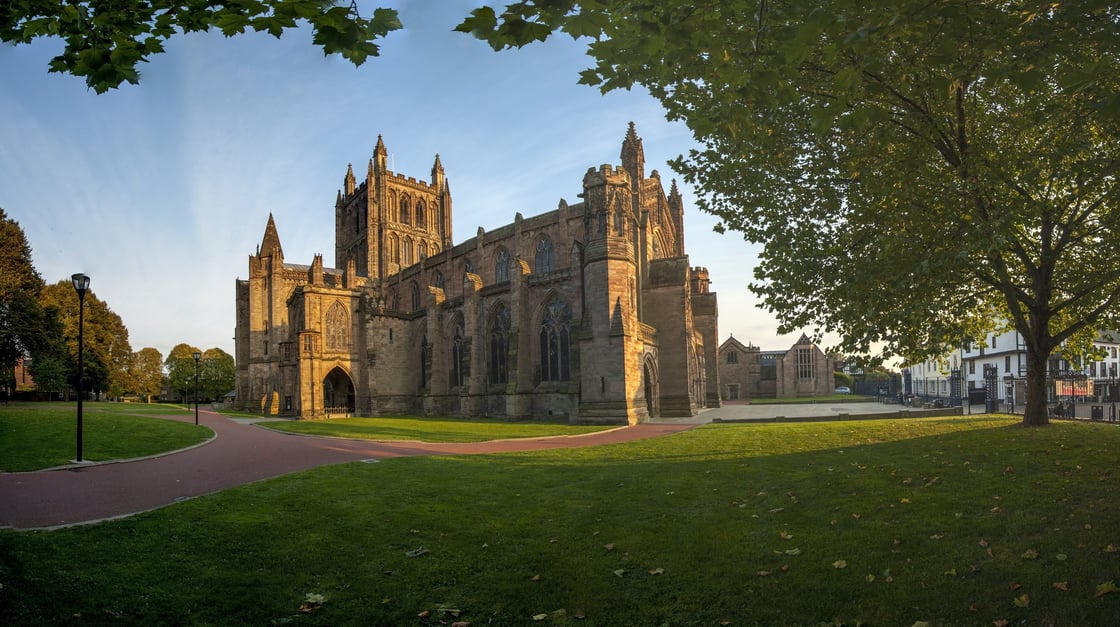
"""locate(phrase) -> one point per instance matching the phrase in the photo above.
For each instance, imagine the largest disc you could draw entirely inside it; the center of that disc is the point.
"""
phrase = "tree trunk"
(1035, 413)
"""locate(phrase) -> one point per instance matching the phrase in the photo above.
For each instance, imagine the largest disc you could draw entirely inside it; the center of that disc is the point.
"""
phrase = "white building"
(1088, 380)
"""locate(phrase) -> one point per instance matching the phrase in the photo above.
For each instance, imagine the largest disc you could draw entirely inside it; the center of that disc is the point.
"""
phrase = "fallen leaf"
(609, 547)
(461, 623)
(1000, 623)
(553, 540)
(1105, 588)
(869, 578)
(416, 552)
(620, 572)
(1061, 585)
(657, 571)
(763, 573)
(785, 535)
(952, 572)
(424, 614)
(839, 564)
(784, 568)
(904, 500)
(1030, 554)
(539, 617)
(535, 578)
(1112, 548)
(856, 515)
(1023, 600)
(793, 551)
(1061, 557)
(1014, 586)
(984, 543)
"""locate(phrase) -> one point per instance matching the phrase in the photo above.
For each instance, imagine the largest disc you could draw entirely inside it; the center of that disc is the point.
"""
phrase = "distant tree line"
(39, 323)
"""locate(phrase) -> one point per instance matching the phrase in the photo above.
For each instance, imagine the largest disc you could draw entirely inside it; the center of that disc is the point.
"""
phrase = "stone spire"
(633, 157)
(348, 183)
(270, 244)
(380, 155)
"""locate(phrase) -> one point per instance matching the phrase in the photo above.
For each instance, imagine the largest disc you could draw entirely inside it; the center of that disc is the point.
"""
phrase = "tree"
(105, 41)
(917, 172)
(181, 370)
(147, 372)
(217, 374)
(21, 317)
(108, 354)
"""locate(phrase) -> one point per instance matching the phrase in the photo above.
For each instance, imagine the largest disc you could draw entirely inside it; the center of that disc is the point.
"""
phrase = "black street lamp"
(197, 356)
(81, 284)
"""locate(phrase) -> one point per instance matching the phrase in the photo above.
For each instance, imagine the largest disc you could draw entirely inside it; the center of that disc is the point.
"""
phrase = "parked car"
(843, 390)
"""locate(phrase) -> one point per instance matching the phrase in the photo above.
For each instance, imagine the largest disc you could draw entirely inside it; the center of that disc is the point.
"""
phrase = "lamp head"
(197, 355)
(81, 284)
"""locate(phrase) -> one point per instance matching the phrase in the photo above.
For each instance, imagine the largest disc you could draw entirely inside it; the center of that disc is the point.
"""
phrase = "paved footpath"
(239, 454)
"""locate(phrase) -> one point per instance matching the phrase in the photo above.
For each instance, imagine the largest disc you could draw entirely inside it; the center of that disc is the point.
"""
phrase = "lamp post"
(81, 284)
(197, 355)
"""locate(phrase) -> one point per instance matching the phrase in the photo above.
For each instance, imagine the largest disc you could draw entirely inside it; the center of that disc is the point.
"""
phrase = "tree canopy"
(107, 355)
(21, 317)
(146, 372)
(918, 173)
(106, 41)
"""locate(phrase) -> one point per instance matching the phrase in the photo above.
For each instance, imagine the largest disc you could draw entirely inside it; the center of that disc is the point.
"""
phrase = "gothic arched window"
(338, 328)
(498, 343)
(394, 299)
(458, 354)
(407, 250)
(501, 266)
(415, 296)
(421, 216)
(437, 279)
(555, 338)
(545, 260)
(405, 210)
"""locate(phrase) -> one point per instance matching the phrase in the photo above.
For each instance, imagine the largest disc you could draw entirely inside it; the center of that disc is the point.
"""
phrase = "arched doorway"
(338, 393)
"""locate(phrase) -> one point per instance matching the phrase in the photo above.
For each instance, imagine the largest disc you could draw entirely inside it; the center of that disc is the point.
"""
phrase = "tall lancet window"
(555, 342)
(338, 328)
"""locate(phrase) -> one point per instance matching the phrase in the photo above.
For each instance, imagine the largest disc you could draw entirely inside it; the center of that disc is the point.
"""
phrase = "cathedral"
(589, 312)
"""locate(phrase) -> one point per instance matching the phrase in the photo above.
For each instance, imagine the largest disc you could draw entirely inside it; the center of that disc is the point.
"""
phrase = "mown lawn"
(429, 429)
(43, 435)
(950, 521)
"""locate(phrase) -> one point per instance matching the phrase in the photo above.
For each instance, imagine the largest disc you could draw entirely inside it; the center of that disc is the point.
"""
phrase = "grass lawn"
(42, 435)
(429, 429)
(952, 521)
(827, 398)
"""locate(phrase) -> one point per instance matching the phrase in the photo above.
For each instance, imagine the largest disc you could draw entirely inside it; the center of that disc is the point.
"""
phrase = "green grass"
(949, 520)
(429, 429)
(42, 435)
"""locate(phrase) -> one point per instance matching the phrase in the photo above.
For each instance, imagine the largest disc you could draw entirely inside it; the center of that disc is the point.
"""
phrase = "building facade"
(746, 371)
(590, 312)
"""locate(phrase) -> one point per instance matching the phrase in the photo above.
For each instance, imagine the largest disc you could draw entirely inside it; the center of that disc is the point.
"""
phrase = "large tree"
(917, 171)
(181, 370)
(105, 41)
(217, 374)
(21, 317)
(107, 353)
(147, 372)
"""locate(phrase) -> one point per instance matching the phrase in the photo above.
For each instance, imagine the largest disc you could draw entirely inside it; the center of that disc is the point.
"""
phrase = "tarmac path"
(238, 454)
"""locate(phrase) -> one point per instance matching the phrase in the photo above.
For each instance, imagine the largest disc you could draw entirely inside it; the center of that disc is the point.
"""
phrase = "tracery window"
(732, 357)
(415, 296)
(498, 336)
(555, 339)
(804, 363)
(437, 279)
(545, 260)
(458, 354)
(421, 218)
(394, 299)
(407, 251)
(501, 266)
(338, 328)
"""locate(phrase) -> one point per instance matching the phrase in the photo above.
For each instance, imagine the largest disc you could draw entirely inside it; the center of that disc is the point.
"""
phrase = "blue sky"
(160, 192)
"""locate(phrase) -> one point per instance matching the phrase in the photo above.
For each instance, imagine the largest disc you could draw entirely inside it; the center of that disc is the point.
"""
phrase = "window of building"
(407, 257)
(498, 344)
(501, 266)
(554, 339)
(338, 328)
(1007, 363)
(545, 260)
(972, 367)
(993, 341)
(458, 354)
(804, 363)
(421, 219)
(415, 296)
(437, 279)
(732, 357)
(406, 213)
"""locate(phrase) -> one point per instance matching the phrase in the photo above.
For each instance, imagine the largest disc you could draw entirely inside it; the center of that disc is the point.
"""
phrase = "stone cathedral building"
(590, 311)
